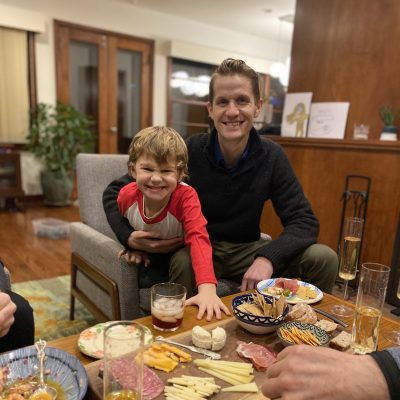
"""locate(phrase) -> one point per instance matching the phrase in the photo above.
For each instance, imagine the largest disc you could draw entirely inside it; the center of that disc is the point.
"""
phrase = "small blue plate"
(64, 368)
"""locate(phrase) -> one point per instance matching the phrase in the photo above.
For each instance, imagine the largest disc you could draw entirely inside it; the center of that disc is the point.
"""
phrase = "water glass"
(371, 296)
(167, 305)
(123, 361)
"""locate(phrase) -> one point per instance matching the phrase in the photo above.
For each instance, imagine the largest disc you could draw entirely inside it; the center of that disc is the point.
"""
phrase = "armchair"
(106, 286)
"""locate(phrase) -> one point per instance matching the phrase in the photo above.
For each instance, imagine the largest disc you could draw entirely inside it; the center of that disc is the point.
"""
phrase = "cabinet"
(10, 175)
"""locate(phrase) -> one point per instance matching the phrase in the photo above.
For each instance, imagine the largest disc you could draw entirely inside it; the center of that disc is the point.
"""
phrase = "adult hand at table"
(260, 269)
(151, 242)
(7, 310)
(306, 372)
(208, 302)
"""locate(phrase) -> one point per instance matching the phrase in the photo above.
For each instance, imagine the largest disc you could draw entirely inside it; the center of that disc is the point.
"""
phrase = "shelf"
(343, 144)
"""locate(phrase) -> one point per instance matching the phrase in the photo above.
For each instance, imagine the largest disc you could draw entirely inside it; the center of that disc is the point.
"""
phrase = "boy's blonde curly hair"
(162, 143)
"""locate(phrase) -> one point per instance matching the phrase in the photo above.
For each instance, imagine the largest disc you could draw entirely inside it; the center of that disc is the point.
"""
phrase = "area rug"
(50, 299)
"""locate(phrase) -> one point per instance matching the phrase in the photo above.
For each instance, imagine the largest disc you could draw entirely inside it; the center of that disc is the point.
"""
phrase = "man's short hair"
(231, 66)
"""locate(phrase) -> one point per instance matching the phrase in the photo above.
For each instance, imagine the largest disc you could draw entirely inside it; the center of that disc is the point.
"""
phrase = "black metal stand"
(355, 203)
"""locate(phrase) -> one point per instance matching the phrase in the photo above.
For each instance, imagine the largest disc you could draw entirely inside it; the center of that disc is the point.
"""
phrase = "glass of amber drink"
(371, 295)
(348, 259)
(167, 305)
(123, 361)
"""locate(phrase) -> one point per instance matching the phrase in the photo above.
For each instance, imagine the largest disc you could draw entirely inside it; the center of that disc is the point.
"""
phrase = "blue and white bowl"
(319, 333)
(255, 323)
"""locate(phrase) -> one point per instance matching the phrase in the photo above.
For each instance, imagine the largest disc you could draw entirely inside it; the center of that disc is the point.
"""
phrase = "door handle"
(113, 129)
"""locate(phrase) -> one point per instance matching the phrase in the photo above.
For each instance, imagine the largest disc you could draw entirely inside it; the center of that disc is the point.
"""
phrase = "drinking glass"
(394, 336)
(348, 259)
(123, 361)
(371, 296)
(167, 305)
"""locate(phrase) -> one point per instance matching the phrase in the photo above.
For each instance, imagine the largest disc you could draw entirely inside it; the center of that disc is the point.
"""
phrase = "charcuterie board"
(228, 353)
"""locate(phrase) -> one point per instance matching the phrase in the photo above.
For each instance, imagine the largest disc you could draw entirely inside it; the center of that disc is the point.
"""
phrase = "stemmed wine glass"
(349, 253)
(394, 336)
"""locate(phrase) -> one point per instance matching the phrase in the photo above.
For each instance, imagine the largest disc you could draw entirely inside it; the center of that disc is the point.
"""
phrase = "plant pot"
(57, 188)
(389, 133)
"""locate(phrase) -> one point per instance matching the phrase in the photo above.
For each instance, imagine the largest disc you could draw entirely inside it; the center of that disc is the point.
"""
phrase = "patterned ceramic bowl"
(256, 323)
(322, 337)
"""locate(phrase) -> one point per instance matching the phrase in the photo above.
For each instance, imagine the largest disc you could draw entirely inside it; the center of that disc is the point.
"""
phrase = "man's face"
(233, 108)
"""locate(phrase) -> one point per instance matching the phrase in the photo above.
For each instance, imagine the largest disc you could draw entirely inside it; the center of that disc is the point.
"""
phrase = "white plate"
(292, 299)
(91, 340)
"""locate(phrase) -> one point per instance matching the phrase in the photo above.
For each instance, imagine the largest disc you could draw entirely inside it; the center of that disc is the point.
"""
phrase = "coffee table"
(70, 343)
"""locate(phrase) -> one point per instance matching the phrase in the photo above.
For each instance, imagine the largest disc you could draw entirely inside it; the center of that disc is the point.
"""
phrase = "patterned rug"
(49, 299)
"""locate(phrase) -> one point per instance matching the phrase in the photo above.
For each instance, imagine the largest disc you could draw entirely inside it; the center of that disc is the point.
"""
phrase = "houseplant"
(57, 134)
(388, 116)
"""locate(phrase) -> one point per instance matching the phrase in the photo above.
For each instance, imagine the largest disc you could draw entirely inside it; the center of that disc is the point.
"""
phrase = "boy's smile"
(156, 182)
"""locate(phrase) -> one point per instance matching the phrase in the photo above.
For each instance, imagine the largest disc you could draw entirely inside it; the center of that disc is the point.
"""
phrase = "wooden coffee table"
(70, 343)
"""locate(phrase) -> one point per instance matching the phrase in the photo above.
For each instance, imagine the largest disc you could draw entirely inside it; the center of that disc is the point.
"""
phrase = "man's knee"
(325, 265)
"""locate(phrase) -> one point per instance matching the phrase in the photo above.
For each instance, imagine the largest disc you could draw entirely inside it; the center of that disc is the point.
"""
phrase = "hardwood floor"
(30, 257)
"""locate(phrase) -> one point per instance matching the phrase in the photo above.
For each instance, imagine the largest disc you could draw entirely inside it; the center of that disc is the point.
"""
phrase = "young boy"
(159, 201)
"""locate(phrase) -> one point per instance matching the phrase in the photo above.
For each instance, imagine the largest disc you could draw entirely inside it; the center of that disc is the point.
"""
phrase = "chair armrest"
(102, 252)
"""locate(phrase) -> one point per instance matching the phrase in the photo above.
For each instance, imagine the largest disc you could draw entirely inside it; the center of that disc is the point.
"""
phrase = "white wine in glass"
(394, 336)
(348, 260)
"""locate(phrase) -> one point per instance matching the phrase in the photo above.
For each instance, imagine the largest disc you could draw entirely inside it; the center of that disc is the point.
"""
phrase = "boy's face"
(233, 108)
(155, 181)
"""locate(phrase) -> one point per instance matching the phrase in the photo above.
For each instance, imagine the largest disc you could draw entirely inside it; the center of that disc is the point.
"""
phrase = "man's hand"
(151, 242)
(260, 269)
(307, 372)
(7, 310)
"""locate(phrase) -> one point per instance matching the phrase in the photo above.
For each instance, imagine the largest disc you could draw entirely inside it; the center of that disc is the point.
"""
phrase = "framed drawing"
(296, 112)
(328, 120)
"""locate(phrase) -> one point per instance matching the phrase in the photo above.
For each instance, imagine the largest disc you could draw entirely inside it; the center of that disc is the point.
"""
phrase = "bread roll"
(302, 312)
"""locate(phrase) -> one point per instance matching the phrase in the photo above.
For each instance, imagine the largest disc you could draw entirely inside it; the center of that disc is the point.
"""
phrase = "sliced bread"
(341, 342)
(327, 326)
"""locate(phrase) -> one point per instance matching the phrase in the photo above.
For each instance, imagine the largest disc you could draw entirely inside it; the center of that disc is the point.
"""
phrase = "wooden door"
(107, 76)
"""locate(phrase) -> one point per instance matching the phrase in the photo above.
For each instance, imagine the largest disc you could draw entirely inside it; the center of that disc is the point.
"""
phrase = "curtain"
(14, 86)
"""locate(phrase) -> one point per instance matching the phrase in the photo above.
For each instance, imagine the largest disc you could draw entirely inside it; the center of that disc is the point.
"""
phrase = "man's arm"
(300, 225)
(118, 223)
(389, 363)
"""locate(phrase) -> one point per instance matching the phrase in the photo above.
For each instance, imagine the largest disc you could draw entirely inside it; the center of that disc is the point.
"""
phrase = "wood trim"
(32, 70)
(99, 31)
(101, 280)
(345, 144)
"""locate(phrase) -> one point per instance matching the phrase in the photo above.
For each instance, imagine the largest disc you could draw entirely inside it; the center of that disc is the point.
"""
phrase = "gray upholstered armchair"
(107, 286)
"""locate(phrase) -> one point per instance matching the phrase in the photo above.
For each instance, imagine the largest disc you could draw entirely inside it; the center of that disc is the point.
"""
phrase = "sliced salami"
(153, 386)
(261, 356)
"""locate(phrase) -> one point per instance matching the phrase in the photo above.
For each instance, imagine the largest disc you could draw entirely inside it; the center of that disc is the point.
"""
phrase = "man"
(307, 372)
(234, 172)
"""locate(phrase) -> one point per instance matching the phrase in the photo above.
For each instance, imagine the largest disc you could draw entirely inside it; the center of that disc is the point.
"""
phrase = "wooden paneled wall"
(347, 50)
(322, 168)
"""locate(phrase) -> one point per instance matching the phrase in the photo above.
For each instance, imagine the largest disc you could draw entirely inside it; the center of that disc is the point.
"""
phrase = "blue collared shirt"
(220, 157)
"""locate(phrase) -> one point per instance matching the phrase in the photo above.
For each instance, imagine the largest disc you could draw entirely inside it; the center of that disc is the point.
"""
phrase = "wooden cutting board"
(228, 353)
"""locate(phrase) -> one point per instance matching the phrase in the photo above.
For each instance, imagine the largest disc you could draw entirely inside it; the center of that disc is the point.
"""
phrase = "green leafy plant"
(388, 115)
(58, 133)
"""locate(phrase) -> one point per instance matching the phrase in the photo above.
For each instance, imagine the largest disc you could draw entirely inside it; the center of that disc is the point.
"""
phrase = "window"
(17, 88)
(188, 96)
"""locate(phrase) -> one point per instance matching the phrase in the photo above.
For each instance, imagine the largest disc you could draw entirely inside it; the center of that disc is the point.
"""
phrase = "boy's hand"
(135, 257)
(208, 301)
